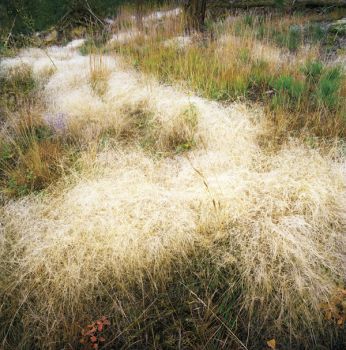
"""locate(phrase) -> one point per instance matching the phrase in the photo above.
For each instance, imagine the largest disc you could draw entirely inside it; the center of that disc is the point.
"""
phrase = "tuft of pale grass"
(268, 228)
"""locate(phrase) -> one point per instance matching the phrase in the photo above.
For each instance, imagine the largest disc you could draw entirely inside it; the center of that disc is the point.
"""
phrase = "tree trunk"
(195, 11)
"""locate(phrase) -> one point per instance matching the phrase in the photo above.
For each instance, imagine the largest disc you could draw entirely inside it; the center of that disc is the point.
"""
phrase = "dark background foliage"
(27, 16)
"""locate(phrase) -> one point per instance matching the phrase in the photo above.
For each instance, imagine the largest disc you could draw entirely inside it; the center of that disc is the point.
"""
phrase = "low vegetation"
(263, 59)
(32, 155)
(169, 191)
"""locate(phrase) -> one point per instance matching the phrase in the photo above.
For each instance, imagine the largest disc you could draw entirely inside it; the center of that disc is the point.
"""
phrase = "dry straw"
(273, 224)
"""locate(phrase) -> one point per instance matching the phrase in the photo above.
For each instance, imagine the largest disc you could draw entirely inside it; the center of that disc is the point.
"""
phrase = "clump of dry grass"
(31, 156)
(99, 74)
(180, 133)
(96, 239)
(18, 88)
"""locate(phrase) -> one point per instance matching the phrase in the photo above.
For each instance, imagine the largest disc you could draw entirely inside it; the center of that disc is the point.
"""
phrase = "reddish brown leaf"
(102, 339)
(100, 327)
(93, 339)
(92, 331)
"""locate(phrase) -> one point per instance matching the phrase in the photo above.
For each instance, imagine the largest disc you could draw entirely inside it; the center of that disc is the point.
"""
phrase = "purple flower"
(57, 121)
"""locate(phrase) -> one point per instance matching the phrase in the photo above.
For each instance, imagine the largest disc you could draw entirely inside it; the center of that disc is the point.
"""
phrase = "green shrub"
(280, 3)
(40, 15)
(261, 31)
(278, 37)
(287, 84)
(291, 39)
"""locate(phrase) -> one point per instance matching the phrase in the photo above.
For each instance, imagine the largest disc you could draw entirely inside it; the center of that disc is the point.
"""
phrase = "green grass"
(288, 92)
(329, 87)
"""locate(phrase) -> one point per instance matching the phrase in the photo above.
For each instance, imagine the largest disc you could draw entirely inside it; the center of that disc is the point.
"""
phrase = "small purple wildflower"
(57, 122)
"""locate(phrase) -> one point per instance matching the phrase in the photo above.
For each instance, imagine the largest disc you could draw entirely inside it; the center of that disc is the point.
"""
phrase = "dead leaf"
(272, 344)
(329, 315)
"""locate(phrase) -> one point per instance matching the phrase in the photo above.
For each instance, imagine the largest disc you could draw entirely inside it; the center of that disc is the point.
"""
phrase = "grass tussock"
(31, 157)
(99, 75)
(18, 88)
(257, 242)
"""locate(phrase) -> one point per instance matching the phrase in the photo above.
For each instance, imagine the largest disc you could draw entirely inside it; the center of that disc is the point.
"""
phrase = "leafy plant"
(93, 335)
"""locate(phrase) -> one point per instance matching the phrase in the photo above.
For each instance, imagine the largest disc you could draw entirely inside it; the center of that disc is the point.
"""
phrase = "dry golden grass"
(204, 240)
(99, 74)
